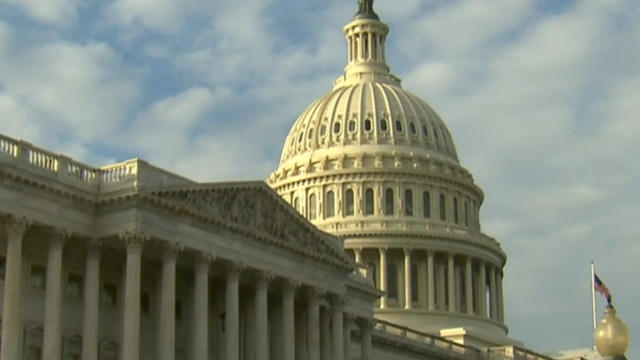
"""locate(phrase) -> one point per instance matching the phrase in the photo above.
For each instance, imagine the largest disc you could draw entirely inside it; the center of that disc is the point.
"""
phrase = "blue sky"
(542, 98)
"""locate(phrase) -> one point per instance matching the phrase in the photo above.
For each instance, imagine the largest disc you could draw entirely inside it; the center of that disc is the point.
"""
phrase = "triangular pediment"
(255, 210)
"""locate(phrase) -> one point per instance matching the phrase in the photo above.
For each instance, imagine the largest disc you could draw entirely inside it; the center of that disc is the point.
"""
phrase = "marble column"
(492, 293)
(288, 320)
(500, 296)
(383, 277)
(431, 280)
(358, 256)
(468, 286)
(366, 327)
(167, 321)
(451, 282)
(482, 289)
(11, 307)
(337, 327)
(348, 325)
(91, 315)
(232, 312)
(407, 279)
(52, 341)
(313, 324)
(261, 315)
(442, 289)
(131, 309)
(201, 307)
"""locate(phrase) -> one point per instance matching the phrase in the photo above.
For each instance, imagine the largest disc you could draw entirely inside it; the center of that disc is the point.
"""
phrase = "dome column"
(431, 279)
(383, 277)
(407, 279)
(500, 299)
(468, 286)
(492, 291)
(451, 281)
(482, 290)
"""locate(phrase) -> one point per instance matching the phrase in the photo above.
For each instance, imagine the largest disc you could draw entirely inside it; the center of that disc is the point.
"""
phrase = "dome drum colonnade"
(374, 164)
(261, 314)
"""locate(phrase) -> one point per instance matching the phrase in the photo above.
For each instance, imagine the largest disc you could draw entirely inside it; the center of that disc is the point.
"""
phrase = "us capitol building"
(365, 243)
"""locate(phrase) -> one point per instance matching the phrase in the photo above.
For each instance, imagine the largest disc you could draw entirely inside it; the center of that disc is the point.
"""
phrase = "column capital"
(17, 225)
(314, 293)
(407, 250)
(202, 258)
(234, 268)
(133, 239)
(263, 275)
(337, 300)
(93, 244)
(171, 249)
(382, 250)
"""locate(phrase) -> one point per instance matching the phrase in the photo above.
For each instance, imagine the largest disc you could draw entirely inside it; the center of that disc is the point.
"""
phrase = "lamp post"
(611, 336)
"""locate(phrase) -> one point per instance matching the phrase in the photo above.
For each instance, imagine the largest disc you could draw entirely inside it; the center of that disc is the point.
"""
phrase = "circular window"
(412, 127)
(352, 125)
(336, 128)
(383, 125)
(398, 126)
(367, 125)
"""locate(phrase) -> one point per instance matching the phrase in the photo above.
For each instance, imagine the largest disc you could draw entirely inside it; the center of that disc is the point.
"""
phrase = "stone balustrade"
(30, 158)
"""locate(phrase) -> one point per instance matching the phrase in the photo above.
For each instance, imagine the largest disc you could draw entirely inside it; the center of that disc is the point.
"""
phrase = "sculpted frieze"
(255, 211)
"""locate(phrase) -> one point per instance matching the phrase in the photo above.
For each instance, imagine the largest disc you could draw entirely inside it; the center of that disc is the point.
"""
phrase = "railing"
(363, 275)
(26, 156)
(514, 352)
(428, 339)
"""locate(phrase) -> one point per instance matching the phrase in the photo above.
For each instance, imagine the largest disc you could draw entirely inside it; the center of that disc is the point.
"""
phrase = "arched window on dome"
(426, 204)
(368, 201)
(456, 217)
(352, 125)
(312, 207)
(398, 126)
(330, 205)
(412, 128)
(466, 213)
(296, 203)
(348, 203)
(336, 128)
(388, 202)
(367, 125)
(443, 208)
(425, 131)
(383, 125)
(392, 280)
(408, 202)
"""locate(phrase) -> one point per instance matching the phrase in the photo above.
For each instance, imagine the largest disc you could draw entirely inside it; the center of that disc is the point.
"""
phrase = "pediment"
(255, 210)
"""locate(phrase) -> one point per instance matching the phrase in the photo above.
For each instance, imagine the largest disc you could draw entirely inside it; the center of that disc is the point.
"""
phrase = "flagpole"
(593, 296)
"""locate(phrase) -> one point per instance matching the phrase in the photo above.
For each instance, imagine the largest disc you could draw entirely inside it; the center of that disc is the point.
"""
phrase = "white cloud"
(56, 12)
(80, 92)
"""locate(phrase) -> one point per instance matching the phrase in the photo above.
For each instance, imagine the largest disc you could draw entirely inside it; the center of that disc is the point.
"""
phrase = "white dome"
(369, 112)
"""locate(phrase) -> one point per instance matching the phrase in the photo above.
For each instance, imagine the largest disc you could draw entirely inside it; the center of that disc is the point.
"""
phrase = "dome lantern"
(611, 337)
(366, 36)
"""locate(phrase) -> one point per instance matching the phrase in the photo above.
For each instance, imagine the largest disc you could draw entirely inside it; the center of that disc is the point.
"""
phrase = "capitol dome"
(375, 165)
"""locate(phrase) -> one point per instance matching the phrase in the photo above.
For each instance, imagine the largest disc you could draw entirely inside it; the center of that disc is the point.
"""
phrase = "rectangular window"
(109, 294)
(443, 208)
(37, 276)
(74, 286)
(426, 204)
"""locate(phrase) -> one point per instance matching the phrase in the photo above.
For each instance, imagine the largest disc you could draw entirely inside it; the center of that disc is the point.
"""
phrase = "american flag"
(600, 287)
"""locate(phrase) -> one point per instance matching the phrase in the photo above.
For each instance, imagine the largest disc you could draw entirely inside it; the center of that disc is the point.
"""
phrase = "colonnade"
(290, 321)
(453, 282)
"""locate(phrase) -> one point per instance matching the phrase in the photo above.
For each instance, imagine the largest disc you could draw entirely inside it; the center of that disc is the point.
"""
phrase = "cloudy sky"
(542, 98)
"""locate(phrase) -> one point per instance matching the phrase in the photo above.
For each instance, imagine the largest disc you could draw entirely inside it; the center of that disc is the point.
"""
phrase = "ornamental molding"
(255, 210)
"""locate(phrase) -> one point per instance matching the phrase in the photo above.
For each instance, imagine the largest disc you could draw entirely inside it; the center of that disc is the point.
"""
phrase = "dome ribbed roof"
(369, 113)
